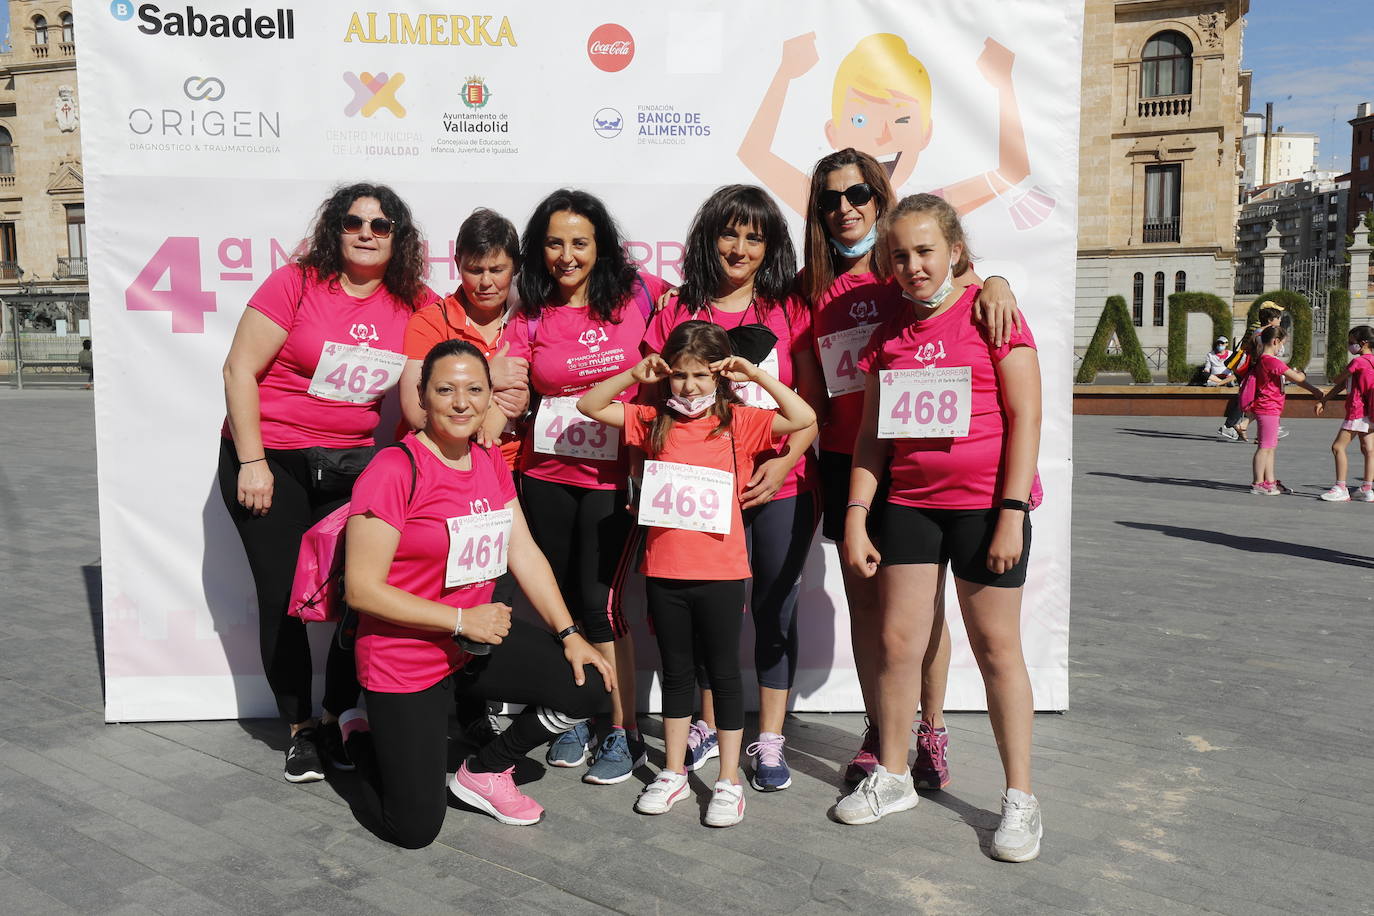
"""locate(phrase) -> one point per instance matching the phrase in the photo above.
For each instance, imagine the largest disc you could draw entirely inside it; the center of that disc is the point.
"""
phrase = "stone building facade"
(42, 194)
(1159, 157)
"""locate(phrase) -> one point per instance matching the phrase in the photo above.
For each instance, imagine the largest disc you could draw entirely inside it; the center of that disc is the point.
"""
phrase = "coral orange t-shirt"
(675, 553)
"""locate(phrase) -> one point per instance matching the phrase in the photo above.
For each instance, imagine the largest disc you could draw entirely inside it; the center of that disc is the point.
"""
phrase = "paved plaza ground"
(1217, 756)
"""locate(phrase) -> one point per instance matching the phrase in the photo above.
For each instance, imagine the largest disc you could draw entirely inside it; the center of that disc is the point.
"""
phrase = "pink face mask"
(691, 407)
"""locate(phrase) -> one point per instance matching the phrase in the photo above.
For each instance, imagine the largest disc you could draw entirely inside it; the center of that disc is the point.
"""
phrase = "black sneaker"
(482, 731)
(332, 747)
(303, 758)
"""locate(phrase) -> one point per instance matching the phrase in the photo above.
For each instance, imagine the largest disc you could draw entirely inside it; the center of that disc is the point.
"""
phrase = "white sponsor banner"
(213, 130)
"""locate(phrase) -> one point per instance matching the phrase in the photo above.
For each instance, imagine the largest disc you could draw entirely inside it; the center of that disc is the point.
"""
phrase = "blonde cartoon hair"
(879, 66)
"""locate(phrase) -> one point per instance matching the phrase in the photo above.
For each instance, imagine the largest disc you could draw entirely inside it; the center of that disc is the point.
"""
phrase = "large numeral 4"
(179, 258)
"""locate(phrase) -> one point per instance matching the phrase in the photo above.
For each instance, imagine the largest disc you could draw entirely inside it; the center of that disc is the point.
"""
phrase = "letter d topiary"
(1115, 320)
(1181, 305)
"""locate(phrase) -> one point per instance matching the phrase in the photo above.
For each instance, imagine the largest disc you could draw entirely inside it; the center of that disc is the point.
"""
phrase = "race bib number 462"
(358, 375)
(477, 547)
(925, 403)
(560, 429)
(686, 496)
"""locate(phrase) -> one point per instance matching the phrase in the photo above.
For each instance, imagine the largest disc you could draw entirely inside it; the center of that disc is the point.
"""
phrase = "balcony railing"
(9, 270)
(70, 269)
(1164, 107)
(1161, 229)
(6, 181)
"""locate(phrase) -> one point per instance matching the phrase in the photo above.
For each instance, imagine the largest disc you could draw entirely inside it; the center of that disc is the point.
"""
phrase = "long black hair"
(742, 205)
(405, 272)
(612, 276)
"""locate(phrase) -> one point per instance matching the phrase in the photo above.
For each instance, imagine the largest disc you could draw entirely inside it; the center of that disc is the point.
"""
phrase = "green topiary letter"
(1181, 305)
(1300, 337)
(1116, 321)
(1337, 331)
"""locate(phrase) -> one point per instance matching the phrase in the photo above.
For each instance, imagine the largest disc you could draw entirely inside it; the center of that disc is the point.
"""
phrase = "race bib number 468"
(686, 496)
(925, 403)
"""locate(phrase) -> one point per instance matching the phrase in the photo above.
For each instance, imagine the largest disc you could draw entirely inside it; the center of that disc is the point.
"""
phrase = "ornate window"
(1138, 300)
(1166, 66)
(6, 152)
(40, 30)
(1163, 185)
(1181, 282)
(68, 31)
(1159, 299)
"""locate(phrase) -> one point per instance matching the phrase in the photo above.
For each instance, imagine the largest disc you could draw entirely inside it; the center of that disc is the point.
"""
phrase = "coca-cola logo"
(611, 47)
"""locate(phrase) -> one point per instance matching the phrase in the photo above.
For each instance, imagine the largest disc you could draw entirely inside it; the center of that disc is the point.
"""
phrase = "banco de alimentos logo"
(374, 91)
(188, 22)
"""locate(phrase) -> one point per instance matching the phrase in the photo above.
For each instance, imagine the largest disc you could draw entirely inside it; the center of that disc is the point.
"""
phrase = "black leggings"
(693, 617)
(1233, 411)
(272, 543)
(404, 759)
(583, 533)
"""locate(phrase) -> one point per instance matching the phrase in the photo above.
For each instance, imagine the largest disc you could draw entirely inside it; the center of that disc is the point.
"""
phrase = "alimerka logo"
(427, 29)
(188, 22)
(373, 92)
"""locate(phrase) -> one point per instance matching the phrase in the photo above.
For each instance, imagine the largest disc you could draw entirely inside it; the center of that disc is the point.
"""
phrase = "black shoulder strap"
(414, 468)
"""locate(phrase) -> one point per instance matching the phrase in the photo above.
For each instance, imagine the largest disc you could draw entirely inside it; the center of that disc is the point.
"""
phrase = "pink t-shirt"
(1269, 381)
(792, 324)
(852, 301)
(291, 416)
(572, 351)
(398, 659)
(1361, 385)
(962, 473)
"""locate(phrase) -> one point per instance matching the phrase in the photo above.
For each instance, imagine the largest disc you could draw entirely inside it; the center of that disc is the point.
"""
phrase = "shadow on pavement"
(1257, 545)
(1177, 481)
(96, 605)
(1164, 434)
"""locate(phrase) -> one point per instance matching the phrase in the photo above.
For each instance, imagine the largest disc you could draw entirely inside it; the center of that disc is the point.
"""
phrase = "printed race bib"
(752, 393)
(925, 403)
(686, 496)
(358, 375)
(840, 359)
(559, 429)
(477, 546)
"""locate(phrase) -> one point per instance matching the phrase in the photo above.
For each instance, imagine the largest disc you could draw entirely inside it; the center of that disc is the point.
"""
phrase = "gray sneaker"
(880, 793)
(1018, 836)
(1228, 432)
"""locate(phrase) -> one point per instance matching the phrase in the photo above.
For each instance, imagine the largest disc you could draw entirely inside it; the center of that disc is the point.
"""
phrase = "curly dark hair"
(405, 273)
(737, 205)
(612, 276)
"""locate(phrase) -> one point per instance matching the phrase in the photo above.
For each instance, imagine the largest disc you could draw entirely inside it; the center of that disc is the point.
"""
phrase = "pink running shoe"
(861, 767)
(930, 771)
(496, 794)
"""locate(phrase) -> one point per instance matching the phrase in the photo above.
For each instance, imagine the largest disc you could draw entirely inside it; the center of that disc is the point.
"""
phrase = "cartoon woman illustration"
(881, 105)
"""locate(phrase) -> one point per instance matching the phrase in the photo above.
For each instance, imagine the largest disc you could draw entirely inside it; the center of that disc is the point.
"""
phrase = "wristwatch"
(564, 634)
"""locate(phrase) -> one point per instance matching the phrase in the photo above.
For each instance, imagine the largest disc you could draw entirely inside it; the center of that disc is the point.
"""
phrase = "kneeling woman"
(428, 535)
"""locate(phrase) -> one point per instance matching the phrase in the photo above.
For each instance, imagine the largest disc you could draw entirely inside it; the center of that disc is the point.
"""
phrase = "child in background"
(1360, 374)
(1267, 377)
(697, 435)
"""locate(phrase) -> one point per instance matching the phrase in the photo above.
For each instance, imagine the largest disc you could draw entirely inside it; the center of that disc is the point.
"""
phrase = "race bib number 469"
(686, 496)
(925, 403)
(560, 429)
(477, 547)
(358, 375)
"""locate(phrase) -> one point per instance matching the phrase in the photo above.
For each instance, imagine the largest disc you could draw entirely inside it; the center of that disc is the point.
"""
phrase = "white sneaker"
(879, 794)
(661, 794)
(727, 805)
(1283, 433)
(1366, 494)
(1018, 836)
(1228, 432)
(1337, 494)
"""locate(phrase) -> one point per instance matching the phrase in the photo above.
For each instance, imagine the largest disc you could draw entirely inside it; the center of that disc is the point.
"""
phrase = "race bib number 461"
(477, 547)
(560, 429)
(686, 496)
(358, 375)
(925, 403)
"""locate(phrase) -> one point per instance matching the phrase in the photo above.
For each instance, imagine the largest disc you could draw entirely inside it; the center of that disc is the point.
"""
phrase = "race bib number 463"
(686, 496)
(477, 547)
(925, 403)
(560, 429)
(358, 375)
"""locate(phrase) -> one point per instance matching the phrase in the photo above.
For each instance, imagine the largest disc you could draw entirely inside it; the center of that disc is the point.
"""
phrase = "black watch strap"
(564, 634)
(1022, 505)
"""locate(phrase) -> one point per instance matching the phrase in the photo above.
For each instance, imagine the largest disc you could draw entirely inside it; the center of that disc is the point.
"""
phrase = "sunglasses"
(856, 194)
(381, 227)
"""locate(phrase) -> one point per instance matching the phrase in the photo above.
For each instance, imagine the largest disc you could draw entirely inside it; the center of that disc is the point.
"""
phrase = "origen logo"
(607, 123)
(203, 88)
(611, 47)
(374, 92)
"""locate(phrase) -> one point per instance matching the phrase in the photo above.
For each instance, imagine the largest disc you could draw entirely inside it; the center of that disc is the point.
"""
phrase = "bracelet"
(242, 463)
(859, 503)
(1018, 504)
(458, 626)
(564, 634)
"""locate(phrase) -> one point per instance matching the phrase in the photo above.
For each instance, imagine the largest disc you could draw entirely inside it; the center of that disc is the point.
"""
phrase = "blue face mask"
(941, 294)
(860, 248)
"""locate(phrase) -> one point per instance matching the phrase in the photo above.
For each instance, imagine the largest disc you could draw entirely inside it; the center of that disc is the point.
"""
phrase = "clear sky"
(1313, 61)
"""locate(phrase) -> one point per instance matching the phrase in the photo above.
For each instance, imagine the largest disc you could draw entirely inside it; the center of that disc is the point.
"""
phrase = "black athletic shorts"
(835, 468)
(958, 536)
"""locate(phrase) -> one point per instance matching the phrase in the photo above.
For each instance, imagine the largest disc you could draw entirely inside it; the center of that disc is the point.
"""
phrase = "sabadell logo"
(188, 22)
(611, 47)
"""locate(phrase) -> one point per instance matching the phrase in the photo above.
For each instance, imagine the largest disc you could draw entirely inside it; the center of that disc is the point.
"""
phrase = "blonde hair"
(879, 66)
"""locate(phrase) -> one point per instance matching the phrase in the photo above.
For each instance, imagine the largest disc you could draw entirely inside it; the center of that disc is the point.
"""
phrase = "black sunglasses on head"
(857, 195)
(381, 226)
